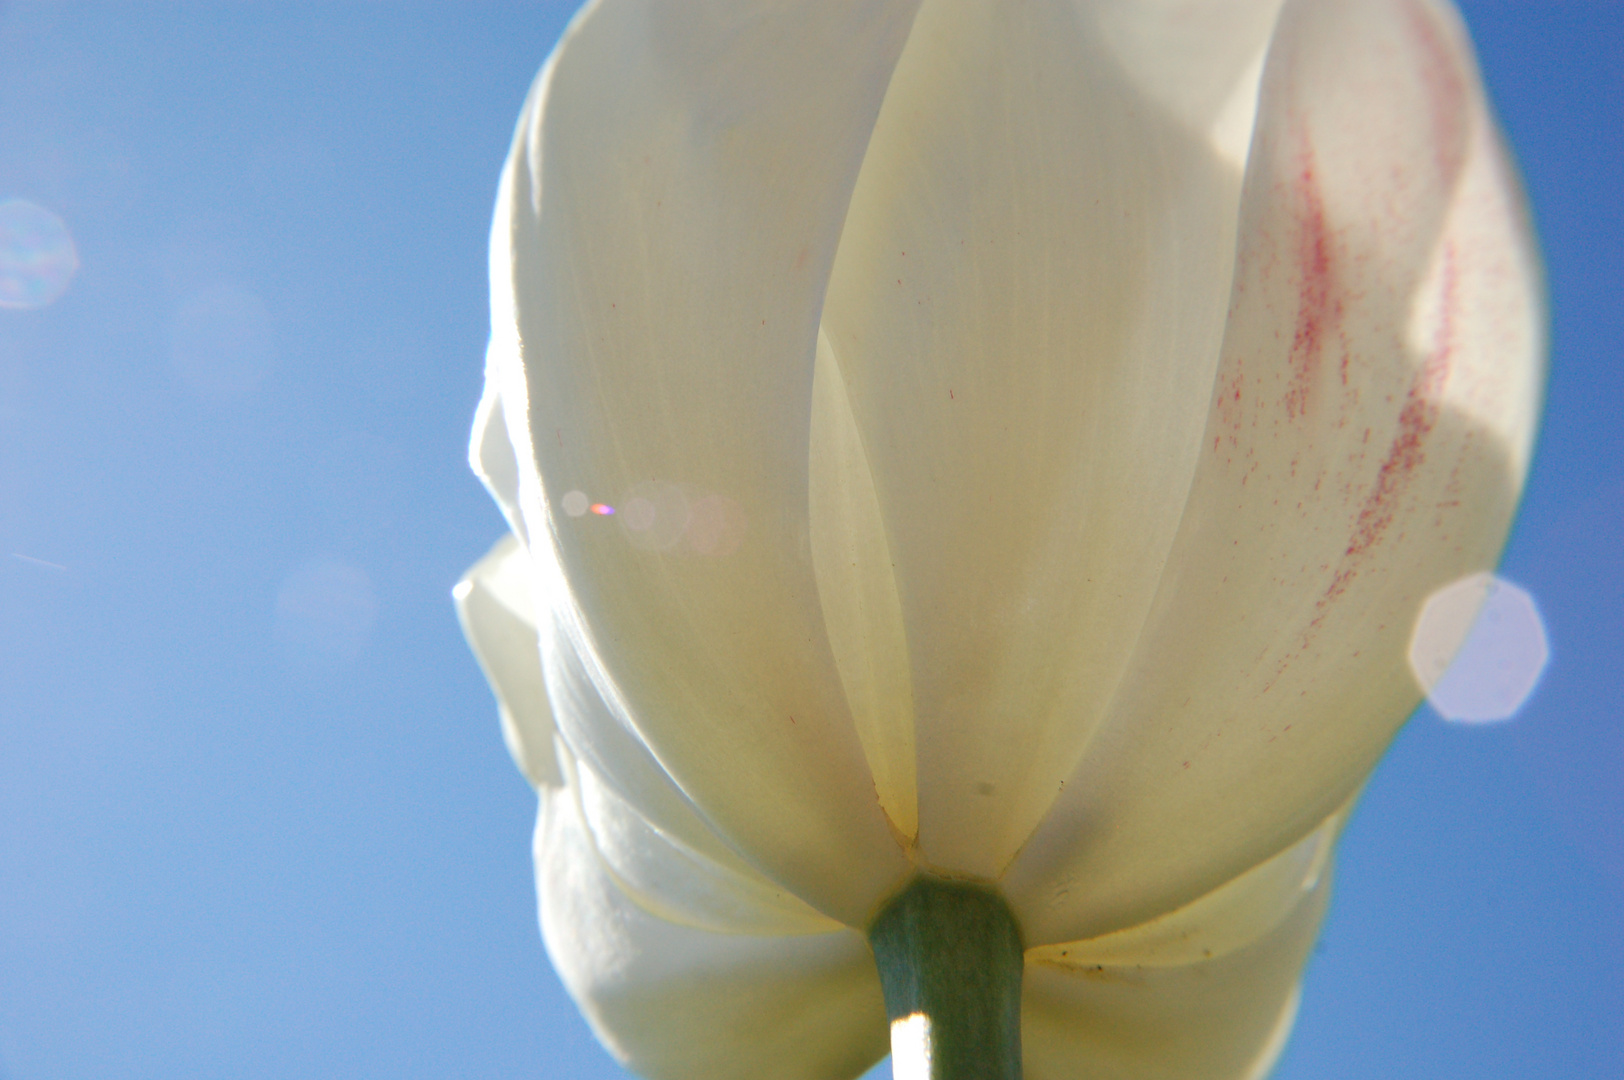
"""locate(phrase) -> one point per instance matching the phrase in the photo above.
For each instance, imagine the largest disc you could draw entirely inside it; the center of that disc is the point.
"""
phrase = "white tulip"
(1031, 430)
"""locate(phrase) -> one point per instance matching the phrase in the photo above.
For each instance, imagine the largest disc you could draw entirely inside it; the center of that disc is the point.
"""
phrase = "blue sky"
(256, 819)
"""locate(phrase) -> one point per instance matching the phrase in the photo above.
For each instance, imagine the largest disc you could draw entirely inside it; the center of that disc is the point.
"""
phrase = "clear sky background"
(256, 819)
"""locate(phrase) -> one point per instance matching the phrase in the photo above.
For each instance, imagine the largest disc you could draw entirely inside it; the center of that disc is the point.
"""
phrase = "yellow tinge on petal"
(857, 584)
(1231, 917)
(1027, 372)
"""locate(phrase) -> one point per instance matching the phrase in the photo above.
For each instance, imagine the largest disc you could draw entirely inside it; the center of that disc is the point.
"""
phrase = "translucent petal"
(1225, 1018)
(673, 1002)
(857, 587)
(1198, 59)
(664, 233)
(1026, 310)
(491, 454)
(604, 740)
(596, 735)
(540, 682)
(1228, 919)
(1369, 432)
(679, 883)
(496, 605)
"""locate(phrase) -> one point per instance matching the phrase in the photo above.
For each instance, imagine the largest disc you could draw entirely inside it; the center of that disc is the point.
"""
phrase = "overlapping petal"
(496, 605)
(1208, 990)
(664, 235)
(1369, 431)
(676, 1002)
(1197, 59)
(650, 918)
(491, 450)
(862, 614)
(686, 970)
(1026, 311)
(681, 883)
(545, 695)
(1226, 1018)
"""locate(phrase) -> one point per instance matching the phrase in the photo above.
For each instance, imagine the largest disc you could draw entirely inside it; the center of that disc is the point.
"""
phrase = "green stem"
(950, 961)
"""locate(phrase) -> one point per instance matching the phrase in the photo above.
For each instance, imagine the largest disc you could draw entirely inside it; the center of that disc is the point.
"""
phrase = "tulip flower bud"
(973, 470)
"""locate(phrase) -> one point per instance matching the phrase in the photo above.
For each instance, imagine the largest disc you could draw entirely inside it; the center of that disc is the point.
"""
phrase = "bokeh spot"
(680, 518)
(1479, 648)
(324, 613)
(37, 255)
(221, 342)
(655, 515)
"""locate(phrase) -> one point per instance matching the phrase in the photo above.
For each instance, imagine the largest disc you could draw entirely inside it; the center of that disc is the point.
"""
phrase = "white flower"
(1033, 429)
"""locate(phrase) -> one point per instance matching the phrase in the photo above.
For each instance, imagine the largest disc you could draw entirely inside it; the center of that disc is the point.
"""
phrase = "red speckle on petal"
(1407, 452)
(1415, 422)
(1230, 410)
(1319, 307)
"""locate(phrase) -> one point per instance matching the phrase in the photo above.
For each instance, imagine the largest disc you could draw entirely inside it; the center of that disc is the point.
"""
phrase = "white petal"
(1228, 919)
(677, 1003)
(664, 233)
(1026, 309)
(678, 882)
(603, 739)
(1368, 439)
(491, 455)
(1198, 59)
(857, 587)
(1225, 1018)
(496, 605)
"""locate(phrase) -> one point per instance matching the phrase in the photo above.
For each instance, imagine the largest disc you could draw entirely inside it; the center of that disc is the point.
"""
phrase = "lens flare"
(37, 255)
(1478, 649)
